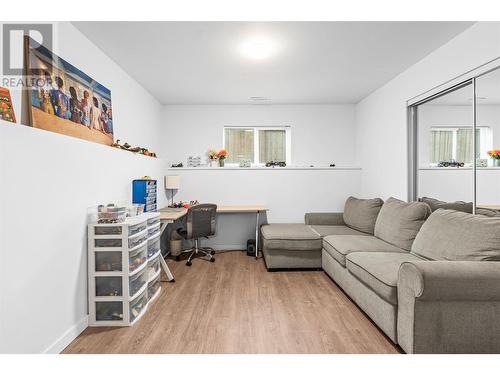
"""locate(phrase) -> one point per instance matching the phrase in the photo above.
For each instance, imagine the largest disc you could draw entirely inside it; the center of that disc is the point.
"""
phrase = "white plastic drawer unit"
(153, 246)
(153, 287)
(137, 306)
(137, 258)
(108, 261)
(108, 286)
(109, 311)
(137, 283)
(153, 268)
(153, 230)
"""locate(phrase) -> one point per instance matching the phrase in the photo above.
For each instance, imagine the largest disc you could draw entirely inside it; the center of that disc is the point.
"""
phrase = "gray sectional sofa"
(429, 280)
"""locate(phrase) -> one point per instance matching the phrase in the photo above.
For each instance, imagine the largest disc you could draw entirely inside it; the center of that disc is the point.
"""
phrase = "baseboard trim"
(228, 247)
(68, 336)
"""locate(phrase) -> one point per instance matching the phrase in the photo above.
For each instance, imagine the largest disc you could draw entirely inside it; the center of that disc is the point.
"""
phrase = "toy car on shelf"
(450, 163)
(275, 164)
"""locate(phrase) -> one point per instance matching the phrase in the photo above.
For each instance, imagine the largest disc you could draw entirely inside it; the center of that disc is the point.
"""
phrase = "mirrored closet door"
(488, 133)
(453, 137)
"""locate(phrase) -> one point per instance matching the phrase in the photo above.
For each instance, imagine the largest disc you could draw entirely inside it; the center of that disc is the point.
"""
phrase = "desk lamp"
(172, 183)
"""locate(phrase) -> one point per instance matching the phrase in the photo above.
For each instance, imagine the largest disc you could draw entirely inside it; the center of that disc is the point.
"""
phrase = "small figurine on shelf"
(136, 150)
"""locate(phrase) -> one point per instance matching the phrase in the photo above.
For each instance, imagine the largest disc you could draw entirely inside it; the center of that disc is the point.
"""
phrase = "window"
(456, 143)
(258, 145)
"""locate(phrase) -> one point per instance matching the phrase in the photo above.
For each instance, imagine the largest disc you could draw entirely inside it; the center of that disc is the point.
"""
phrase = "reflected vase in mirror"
(495, 157)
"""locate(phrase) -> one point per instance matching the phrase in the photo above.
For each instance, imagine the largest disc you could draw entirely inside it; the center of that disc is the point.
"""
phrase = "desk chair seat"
(201, 221)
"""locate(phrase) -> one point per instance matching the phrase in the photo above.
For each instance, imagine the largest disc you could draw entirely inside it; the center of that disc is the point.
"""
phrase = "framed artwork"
(65, 100)
(6, 108)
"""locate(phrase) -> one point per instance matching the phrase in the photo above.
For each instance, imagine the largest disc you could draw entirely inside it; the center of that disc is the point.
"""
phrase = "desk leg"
(257, 236)
(164, 265)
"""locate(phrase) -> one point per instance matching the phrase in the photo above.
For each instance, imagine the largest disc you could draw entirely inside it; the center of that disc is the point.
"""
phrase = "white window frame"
(256, 153)
(485, 138)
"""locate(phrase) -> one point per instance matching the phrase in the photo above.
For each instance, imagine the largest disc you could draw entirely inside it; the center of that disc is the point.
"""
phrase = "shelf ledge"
(305, 168)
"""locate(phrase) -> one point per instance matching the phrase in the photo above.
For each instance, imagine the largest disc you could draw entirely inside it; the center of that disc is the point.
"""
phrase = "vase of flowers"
(213, 158)
(222, 155)
(495, 156)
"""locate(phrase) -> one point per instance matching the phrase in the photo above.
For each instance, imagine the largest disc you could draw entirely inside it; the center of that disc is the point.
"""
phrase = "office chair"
(200, 222)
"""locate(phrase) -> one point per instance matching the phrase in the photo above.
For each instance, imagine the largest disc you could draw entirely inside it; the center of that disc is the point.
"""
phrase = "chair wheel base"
(212, 252)
(189, 264)
(212, 260)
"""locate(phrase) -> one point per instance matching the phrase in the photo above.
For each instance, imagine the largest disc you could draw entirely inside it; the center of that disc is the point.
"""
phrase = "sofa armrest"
(324, 218)
(451, 280)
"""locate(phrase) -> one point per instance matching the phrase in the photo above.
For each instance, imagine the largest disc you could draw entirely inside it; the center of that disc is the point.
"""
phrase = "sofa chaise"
(429, 280)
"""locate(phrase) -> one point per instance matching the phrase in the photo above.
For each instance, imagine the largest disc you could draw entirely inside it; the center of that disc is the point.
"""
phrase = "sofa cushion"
(340, 246)
(361, 214)
(435, 204)
(290, 237)
(328, 230)
(379, 271)
(399, 222)
(453, 235)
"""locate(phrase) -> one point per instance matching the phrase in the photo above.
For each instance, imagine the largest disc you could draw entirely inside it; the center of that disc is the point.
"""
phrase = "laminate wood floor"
(235, 306)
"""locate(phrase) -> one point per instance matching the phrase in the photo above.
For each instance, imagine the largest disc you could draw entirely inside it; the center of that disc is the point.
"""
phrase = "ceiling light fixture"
(259, 98)
(257, 48)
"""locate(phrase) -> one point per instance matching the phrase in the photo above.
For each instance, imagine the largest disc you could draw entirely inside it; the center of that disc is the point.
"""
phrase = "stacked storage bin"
(144, 192)
(118, 273)
(154, 254)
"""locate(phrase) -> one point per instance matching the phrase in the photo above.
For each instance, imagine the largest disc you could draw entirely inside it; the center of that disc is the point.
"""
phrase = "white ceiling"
(313, 62)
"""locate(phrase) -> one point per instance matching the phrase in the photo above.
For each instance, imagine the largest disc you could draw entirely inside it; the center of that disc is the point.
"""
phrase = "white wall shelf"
(265, 169)
(457, 169)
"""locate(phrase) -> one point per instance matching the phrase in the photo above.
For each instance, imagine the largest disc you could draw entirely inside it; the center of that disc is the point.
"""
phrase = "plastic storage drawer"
(106, 261)
(153, 287)
(153, 221)
(109, 310)
(136, 282)
(153, 267)
(108, 242)
(134, 229)
(108, 286)
(108, 230)
(153, 246)
(150, 207)
(154, 229)
(138, 257)
(137, 239)
(137, 306)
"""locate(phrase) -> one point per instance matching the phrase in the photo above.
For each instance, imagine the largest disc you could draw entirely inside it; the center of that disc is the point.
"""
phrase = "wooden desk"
(168, 216)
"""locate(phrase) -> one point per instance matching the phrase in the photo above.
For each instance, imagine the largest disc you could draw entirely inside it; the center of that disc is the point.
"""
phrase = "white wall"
(381, 117)
(288, 193)
(48, 182)
(321, 134)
